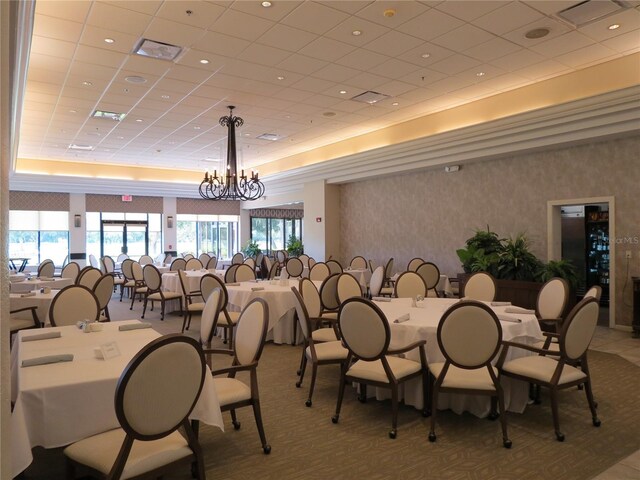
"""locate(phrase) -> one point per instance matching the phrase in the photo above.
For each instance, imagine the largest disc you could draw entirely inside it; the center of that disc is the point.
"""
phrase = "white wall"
(321, 238)
(77, 235)
(170, 234)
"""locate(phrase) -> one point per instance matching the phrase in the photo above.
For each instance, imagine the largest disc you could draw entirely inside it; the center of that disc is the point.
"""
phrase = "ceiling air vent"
(159, 50)
(109, 115)
(370, 97)
(269, 136)
(590, 11)
(75, 146)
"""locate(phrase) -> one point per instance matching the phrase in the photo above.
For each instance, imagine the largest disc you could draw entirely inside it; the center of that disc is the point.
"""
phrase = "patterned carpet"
(307, 445)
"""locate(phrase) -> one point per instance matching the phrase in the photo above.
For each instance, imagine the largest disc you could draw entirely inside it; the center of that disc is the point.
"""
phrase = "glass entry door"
(130, 237)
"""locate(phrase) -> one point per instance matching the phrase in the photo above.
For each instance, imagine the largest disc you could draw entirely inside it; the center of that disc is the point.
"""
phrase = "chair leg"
(107, 314)
(70, 469)
(314, 372)
(295, 332)
(335, 418)
(184, 323)
(231, 337)
(303, 367)
(556, 416)
(362, 396)
(426, 400)
(133, 298)
(503, 418)
(302, 357)
(434, 409)
(592, 404)
(144, 308)
(394, 411)
(162, 303)
(266, 448)
(234, 420)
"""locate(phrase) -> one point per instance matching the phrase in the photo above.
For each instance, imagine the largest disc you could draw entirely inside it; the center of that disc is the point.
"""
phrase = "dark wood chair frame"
(412, 260)
(325, 296)
(425, 281)
(158, 289)
(224, 300)
(331, 262)
(188, 300)
(36, 321)
(126, 278)
(395, 286)
(95, 287)
(230, 274)
(387, 282)
(60, 295)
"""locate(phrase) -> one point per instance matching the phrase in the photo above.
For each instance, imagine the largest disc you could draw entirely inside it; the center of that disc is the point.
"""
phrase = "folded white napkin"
(134, 326)
(403, 318)
(62, 357)
(41, 336)
(29, 294)
(519, 310)
(234, 284)
(256, 289)
(253, 281)
(507, 318)
(381, 299)
(500, 304)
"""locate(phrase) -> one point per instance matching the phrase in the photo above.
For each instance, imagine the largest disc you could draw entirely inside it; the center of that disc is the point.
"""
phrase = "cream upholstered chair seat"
(231, 390)
(374, 371)
(324, 335)
(464, 378)
(20, 323)
(329, 315)
(329, 350)
(542, 368)
(100, 452)
(195, 307)
(167, 295)
(231, 319)
(386, 291)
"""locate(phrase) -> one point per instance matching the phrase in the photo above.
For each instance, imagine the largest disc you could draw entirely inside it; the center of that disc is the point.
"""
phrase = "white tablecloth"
(35, 284)
(171, 282)
(40, 300)
(17, 277)
(423, 325)
(443, 285)
(61, 403)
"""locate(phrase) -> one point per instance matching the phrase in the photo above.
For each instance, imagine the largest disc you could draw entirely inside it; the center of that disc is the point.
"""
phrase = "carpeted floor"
(306, 444)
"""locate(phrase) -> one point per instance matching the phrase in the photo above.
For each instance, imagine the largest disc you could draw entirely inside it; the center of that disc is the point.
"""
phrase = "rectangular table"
(423, 325)
(36, 284)
(61, 403)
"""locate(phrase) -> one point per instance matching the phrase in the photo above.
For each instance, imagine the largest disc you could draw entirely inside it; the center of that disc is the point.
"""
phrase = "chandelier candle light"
(231, 186)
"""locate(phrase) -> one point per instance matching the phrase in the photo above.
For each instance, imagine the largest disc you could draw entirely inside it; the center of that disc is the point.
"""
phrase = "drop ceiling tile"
(344, 31)
(394, 68)
(587, 56)
(57, 28)
(555, 27)
(302, 64)
(423, 77)
(191, 58)
(52, 47)
(624, 43)
(628, 20)
(517, 60)
(430, 24)
(468, 9)
(286, 38)
(68, 10)
(403, 12)
(189, 74)
(76, 104)
(275, 12)
(508, 81)
(202, 14)
(176, 86)
(336, 73)
(416, 95)
(44, 88)
(220, 44)
(174, 33)
(54, 64)
(114, 17)
(366, 81)
(322, 101)
(347, 7)
(326, 49)
(314, 18)
(362, 59)
(550, 7)
(432, 54)
(463, 38)
(313, 84)
(455, 64)
(507, 18)
(450, 84)
(242, 25)
(293, 95)
(264, 55)
(45, 75)
(395, 88)
(150, 7)
(495, 48)
(488, 71)
(393, 43)
(543, 70)
(40, 98)
(146, 66)
(83, 94)
(563, 44)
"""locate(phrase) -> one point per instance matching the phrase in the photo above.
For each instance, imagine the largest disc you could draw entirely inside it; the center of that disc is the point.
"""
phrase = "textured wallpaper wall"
(430, 214)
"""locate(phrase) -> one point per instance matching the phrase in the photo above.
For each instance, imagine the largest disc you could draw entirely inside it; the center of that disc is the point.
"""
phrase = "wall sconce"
(77, 221)
(169, 221)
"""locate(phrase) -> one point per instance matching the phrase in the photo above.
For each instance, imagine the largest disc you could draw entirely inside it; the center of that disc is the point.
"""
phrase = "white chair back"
(178, 264)
(109, 264)
(595, 292)
(212, 264)
(311, 297)
(267, 263)
(70, 270)
(430, 273)
(388, 269)
(73, 304)
(410, 285)
(237, 259)
(230, 274)
(193, 264)
(334, 266)
(46, 269)
(127, 268)
(187, 257)
(348, 287)
(329, 292)
(122, 257)
(209, 316)
(136, 269)
(93, 261)
(552, 299)
(281, 256)
(358, 263)
(251, 332)
(480, 286)
(88, 277)
(579, 328)
(145, 260)
(245, 273)
(204, 258)
(103, 290)
(364, 328)
(414, 264)
(311, 262)
(295, 267)
(250, 261)
(375, 284)
(304, 258)
(303, 314)
(319, 272)
(152, 278)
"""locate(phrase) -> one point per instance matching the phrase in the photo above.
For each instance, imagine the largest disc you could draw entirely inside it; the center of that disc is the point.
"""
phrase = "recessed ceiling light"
(247, 134)
(120, 138)
(395, 104)
(266, 4)
(75, 146)
(329, 114)
(425, 55)
(356, 33)
(280, 77)
(537, 33)
(73, 111)
(109, 40)
(342, 92)
(135, 79)
(87, 84)
(614, 26)
(204, 61)
(196, 127)
(138, 120)
(480, 74)
(287, 116)
(390, 12)
(166, 97)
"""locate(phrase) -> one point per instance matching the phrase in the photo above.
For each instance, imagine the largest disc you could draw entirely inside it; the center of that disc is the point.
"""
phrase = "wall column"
(170, 236)
(321, 223)
(245, 227)
(78, 235)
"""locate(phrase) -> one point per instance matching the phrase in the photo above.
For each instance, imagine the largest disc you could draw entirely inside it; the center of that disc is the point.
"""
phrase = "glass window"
(259, 232)
(198, 234)
(277, 234)
(38, 235)
(272, 234)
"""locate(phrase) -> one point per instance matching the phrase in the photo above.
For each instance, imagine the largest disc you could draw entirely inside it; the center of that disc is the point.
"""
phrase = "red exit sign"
(127, 198)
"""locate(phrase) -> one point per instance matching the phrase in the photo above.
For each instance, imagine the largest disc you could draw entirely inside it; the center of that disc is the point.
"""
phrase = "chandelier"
(229, 185)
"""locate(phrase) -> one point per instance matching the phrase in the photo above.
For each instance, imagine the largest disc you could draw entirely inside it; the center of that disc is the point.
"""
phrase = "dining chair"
(304, 258)
(212, 264)
(228, 320)
(207, 285)
(230, 273)
(17, 323)
(193, 264)
(145, 260)
(366, 334)
(155, 293)
(127, 271)
(347, 287)
(73, 304)
(562, 369)
(311, 263)
(258, 265)
(190, 307)
(358, 263)
(334, 266)
(388, 273)
(46, 269)
(595, 292)
(329, 293)
(410, 285)
(103, 289)
(294, 267)
(324, 353)
(168, 259)
(469, 337)
(187, 257)
(155, 395)
(372, 265)
(273, 271)
(375, 284)
(250, 262)
(414, 263)
(551, 302)
(209, 320)
(237, 259)
(204, 258)
(159, 259)
(109, 267)
(266, 263)
(251, 333)
(244, 273)
(139, 287)
(88, 277)
(319, 272)
(178, 264)
(281, 257)
(430, 273)
(122, 257)
(93, 261)
(480, 286)
(71, 271)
